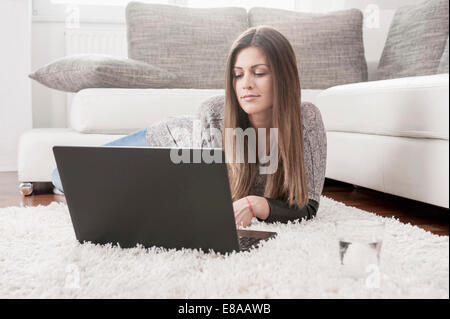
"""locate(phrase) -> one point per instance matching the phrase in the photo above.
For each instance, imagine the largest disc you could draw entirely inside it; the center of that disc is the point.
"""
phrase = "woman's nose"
(247, 82)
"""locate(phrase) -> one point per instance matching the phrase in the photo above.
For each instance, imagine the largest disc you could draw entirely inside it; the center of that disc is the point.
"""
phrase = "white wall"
(49, 106)
(15, 87)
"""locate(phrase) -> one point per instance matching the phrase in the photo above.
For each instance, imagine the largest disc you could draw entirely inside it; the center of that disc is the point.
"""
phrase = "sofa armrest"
(411, 107)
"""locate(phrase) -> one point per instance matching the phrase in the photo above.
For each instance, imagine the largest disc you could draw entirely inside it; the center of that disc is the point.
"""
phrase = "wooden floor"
(428, 217)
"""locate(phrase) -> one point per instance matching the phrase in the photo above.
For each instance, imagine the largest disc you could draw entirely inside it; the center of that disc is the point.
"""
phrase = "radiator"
(111, 42)
(84, 41)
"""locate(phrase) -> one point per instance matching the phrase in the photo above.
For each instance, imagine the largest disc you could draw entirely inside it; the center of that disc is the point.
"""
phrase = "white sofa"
(390, 135)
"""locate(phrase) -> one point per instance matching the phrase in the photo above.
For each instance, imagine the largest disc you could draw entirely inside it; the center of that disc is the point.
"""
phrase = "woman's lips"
(250, 98)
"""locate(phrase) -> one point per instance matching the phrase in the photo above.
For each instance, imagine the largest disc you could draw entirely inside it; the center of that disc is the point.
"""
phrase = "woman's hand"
(242, 213)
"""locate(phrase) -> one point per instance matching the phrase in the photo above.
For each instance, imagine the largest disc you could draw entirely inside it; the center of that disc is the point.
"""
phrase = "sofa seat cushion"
(408, 107)
(122, 111)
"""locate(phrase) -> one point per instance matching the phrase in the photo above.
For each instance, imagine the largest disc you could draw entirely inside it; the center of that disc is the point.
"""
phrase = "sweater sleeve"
(280, 211)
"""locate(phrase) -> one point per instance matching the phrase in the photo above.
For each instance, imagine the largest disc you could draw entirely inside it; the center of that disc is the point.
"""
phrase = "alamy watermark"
(256, 146)
(373, 279)
(72, 280)
(72, 20)
(372, 16)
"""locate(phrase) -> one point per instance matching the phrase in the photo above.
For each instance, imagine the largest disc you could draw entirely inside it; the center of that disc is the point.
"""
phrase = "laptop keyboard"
(245, 243)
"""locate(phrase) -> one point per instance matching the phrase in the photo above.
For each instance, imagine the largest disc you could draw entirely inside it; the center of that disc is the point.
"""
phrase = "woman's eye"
(257, 74)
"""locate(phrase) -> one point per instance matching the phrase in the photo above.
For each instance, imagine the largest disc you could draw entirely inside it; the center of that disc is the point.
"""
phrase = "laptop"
(127, 196)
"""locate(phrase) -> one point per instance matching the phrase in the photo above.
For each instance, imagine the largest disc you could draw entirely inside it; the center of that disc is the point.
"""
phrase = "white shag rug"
(40, 258)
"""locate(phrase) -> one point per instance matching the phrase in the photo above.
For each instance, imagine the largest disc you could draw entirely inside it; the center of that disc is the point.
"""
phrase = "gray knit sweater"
(173, 132)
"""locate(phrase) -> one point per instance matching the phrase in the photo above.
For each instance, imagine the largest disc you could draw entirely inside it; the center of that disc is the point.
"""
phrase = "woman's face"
(252, 76)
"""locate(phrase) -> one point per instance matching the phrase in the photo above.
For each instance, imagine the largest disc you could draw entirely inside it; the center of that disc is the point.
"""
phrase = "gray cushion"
(443, 64)
(416, 40)
(192, 43)
(77, 72)
(329, 47)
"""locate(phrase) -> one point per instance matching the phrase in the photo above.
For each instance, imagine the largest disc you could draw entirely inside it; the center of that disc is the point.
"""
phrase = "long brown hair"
(289, 180)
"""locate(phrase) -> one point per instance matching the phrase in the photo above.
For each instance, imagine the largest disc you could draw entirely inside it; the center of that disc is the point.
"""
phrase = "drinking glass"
(360, 242)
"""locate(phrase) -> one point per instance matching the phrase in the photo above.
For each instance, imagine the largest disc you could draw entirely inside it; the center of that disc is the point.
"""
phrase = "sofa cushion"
(122, 111)
(416, 40)
(329, 47)
(192, 43)
(408, 107)
(443, 64)
(77, 72)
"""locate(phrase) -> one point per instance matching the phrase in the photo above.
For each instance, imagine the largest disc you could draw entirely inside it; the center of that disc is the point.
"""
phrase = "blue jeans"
(137, 138)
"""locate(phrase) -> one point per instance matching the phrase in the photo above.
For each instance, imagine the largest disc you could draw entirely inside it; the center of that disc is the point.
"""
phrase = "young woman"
(262, 91)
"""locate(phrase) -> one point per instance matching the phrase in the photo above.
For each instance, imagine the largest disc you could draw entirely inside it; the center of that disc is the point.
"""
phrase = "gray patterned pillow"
(329, 47)
(77, 72)
(192, 43)
(415, 41)
(443, 64)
